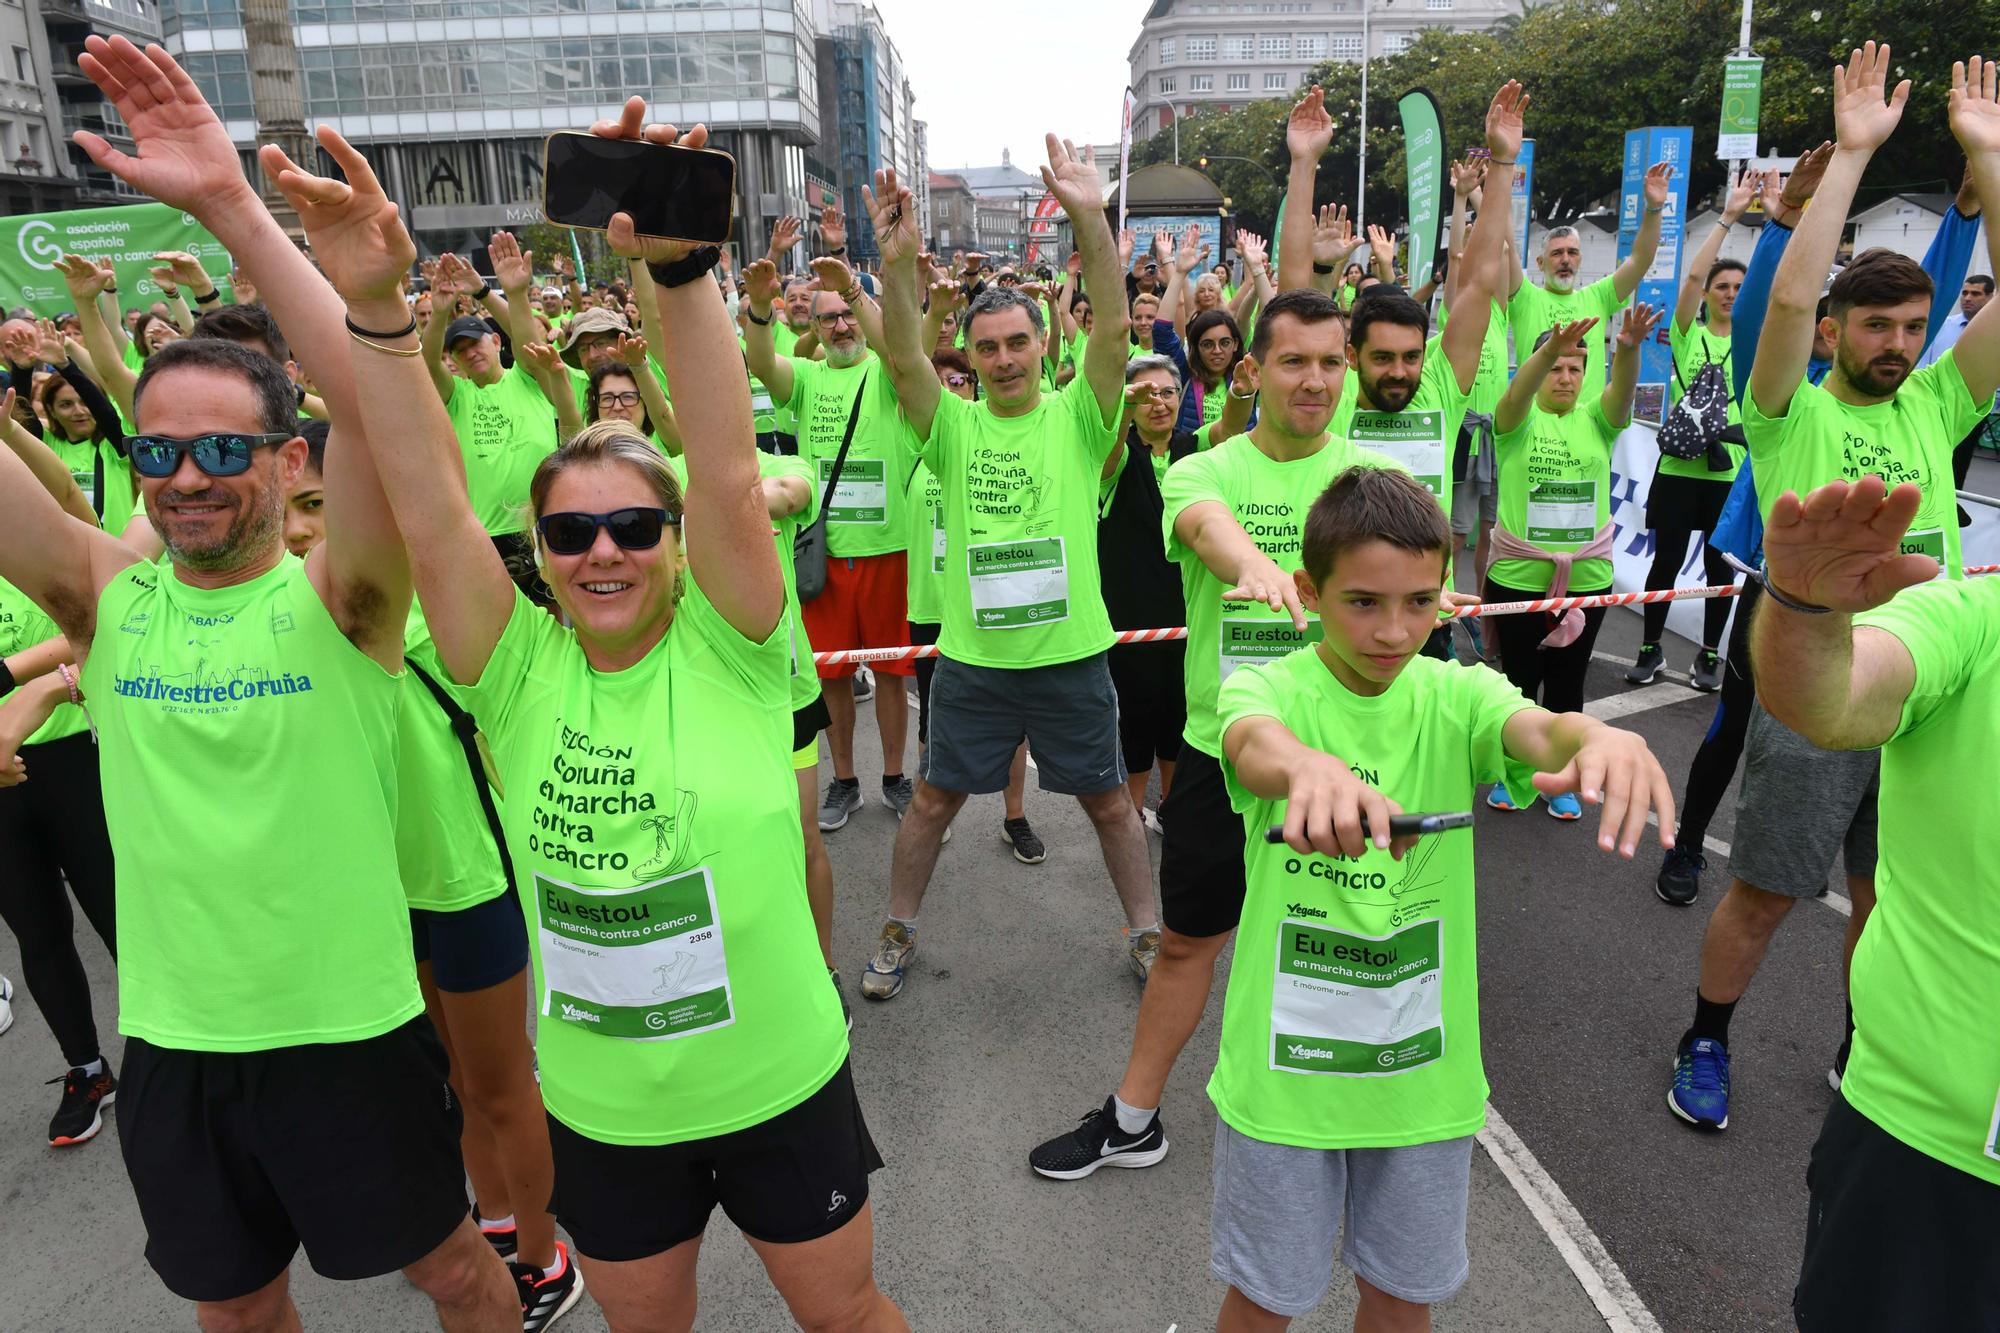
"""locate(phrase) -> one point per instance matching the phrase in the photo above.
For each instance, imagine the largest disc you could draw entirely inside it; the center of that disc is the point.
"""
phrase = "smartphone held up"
(671, 192)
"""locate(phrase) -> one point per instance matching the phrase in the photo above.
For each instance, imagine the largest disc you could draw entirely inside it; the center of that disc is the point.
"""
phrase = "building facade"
(867, 114)
(1201, 54)
(1001, 203)
(44, 96)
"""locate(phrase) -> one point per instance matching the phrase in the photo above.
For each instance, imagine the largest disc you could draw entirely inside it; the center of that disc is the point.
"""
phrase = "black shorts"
(1201, 853)
(809, 722)
(1684, 504)
(1895, 1239)
(798, 1176)
(474, 947)
(1150, 679)
(239, 1157)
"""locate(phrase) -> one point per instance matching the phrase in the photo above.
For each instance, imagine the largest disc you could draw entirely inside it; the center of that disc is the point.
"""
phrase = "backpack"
(1699, 416)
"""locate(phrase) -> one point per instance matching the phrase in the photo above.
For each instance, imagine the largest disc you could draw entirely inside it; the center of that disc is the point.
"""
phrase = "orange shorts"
(862, 606)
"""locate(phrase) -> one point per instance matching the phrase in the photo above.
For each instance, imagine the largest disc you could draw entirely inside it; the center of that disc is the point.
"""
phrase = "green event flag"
(1742, 100)
(1423, 155)
(128, 236)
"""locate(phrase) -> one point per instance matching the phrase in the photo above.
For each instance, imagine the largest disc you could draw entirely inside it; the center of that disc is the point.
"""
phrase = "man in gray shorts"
(1024, 633)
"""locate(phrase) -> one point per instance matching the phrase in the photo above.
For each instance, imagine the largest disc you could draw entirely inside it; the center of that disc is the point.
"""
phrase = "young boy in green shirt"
(1349, 1081)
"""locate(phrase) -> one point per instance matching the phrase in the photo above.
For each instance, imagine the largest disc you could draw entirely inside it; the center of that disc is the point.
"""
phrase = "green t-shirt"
(767, 415)
(134, 358)
(248, 755)
(1533, 310)
(1491, 381)
(1270, 500)
(1555, 492)
(1924, 982)
(1020, 518)
(443, 842)
(1352, 1014)
(784, 534)
(23, 625)
(1908, 438)
(865, 516)
(923, 511)
(1421, 436)
(653, 819)
(504, 431)
(120, 499)
(1693, 350)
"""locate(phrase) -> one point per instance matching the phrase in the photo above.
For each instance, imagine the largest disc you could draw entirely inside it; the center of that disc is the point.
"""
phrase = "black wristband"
(751, 315)
(485, 290)
(360, 332)
(207, 297)
(1321, 268)
(6, 677)
(838, 250)
(1789, 603)
(695, 264)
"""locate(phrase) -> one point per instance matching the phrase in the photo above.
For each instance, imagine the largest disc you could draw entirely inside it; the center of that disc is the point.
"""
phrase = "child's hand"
(1324, 809)
(1616, 769)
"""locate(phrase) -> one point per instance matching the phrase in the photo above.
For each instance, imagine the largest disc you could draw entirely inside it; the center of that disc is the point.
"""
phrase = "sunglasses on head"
(223, 454)
(573, 533)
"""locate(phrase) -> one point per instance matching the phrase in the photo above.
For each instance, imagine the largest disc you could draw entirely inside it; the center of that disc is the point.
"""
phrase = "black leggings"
(1669, 552)
(1555, 673)
(1715, 762)
(52, 829)
(922, 632)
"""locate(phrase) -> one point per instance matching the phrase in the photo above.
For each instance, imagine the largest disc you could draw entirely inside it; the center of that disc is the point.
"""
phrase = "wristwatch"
(695, 264)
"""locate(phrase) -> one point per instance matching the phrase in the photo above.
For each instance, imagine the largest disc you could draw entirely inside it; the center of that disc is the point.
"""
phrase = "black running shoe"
(1646, 669)
(547, 1299)
(1028, 848)
(1707, 676)
(1679, 880)
(504, 1239)
(81, 1113)
(1097, 1141)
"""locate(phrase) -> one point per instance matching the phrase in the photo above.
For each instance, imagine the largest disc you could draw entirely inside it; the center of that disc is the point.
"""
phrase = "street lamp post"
(1174, 110)
(1276, 175)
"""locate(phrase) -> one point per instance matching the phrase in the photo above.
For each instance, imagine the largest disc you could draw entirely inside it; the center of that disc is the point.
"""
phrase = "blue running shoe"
(1565, 806)
(1497, 799)
(1700, 1094)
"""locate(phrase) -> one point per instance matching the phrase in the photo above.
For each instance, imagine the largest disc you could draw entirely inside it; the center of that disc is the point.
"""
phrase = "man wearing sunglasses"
(864, 604)
(267, 990)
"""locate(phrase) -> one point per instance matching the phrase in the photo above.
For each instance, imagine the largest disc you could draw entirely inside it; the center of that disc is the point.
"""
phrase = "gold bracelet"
(391, 351)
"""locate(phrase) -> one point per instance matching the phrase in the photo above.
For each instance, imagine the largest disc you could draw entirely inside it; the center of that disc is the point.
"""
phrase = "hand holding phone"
(655, 193)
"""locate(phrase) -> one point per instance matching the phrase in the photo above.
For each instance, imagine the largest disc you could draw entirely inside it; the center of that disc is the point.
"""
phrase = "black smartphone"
(680, 194)
(1400, 826)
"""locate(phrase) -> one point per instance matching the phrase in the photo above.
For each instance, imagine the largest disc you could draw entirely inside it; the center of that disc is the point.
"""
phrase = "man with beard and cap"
(1870, 416)
(864, 602)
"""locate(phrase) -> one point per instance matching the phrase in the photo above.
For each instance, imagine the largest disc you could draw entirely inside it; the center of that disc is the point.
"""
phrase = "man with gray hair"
(864, 604)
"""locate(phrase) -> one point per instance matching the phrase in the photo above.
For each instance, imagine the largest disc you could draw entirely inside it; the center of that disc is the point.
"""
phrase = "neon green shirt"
(1533, 310)
(443, 842)
(865, 516)
(1908, 438)
(1270, 500)
(1020, 517)
(767, 415)
(1924, 981)
(923, 510)
(278, 918)
(23, 625)
(121, 499)
(1422, 435)
(504, 431)
(1352, 1015)
(1693, 350)
(1555, 491)
(654, 824)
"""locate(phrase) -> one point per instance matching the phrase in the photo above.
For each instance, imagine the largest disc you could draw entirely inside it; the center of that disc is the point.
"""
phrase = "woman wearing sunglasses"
(691, 1050)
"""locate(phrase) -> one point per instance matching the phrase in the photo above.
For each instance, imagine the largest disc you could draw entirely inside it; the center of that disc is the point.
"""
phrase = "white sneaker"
(6, 1007)
(1151, 819)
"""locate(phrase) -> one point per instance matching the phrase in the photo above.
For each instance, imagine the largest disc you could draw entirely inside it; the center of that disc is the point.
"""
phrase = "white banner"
(1125, 156)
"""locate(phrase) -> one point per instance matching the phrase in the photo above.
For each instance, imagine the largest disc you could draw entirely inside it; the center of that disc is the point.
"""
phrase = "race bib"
(1357, 1004)
(643, 964)
(863, 493)
(1414, 439)
(1016, 584)
(85, 482)
(1562, 511)
(1252, 635)
(1928, 541)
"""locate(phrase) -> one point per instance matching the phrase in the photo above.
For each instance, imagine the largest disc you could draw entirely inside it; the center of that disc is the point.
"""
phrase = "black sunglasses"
(573, 533)
(223, 454)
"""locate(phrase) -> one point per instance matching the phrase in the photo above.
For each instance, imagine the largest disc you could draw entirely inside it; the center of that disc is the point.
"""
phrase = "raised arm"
(1073, 180)
(1634, 329)
(785, 233)
(1258, 289)
(893, 210)
(1688, 303)
(551, 376)
(430, 345)
(760, 348)
(60, 561)
(1625, 278)
(1190, 256)
(1515, 404)
(41, 460)
(1308, 134)
(1479, 274)
(1382, 254)
(633, 352)
(948, 298)
(1862, 122)
(1466, 175)
(86, 282)
(514, 270)
(170, 292)
(1975, 119)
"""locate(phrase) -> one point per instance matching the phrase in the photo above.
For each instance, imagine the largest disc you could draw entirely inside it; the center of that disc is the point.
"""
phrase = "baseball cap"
(466, 326)
(594, 320)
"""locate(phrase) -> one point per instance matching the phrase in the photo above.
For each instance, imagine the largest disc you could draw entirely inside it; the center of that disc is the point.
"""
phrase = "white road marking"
(1835, 899)
(1598, 654)
(1642, 700)
(1596, 1271)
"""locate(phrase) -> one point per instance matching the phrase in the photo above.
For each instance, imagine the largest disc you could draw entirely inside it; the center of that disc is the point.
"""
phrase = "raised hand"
(513, 266)
(893, 210)
(51, 349)
(561, 265)
(947, 297)
(1804, 181)
(1192, 251)
(357, 235)
(1467, 175)
(1332, 234)
(1255, 252)
(1128, 241)
(541, 360)
(1071, 176)
(623, 237)
(761, 284)
(785, 234)
(1163, 247)
(1839, 546)
(832, 274)
(1504, 120)
(1243, 379)
(1657, 177)
(163, 278)
(1566, 338)
(458, 275)
(1862, 120)
(1309, 129)
(1974, 110)
(1074, 264)
(833, 228)
(631, 350)
(1967, 199)
(1382, 244)
(1738, 198)
(185, 268)
(975, 260)
(1638, 325)
(185, 157)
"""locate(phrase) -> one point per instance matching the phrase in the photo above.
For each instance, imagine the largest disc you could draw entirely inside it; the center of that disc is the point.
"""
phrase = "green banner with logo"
(1423, 157)
(128, 236)
(1742, 99)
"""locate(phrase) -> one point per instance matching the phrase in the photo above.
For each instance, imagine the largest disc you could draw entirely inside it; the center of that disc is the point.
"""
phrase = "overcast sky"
(1026, 68)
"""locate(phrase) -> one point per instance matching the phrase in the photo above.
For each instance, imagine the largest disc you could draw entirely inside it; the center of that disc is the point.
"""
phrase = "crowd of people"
(535, 572)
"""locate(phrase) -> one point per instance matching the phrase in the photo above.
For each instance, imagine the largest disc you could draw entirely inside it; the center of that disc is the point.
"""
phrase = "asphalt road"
(1016, 1021)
